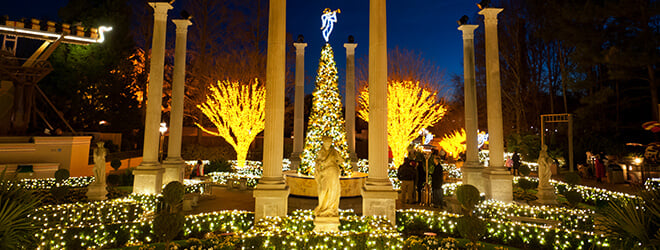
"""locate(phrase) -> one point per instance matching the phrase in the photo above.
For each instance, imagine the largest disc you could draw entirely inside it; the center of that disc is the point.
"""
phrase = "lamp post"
(426, 189)
(162, 130)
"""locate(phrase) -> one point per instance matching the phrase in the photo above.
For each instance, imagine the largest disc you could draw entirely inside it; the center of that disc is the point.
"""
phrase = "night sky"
(426, 26)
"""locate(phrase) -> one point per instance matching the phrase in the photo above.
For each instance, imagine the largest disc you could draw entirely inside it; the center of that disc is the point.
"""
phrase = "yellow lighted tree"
(410, 108)
(237, 110)
(454, 143)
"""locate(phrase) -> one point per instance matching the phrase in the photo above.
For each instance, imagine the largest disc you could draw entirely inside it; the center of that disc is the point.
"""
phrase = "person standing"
(600, 169)
(516, 163)
(437, 179)
(406, 175)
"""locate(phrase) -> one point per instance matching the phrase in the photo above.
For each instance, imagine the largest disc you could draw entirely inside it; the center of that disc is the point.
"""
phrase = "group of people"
(513, 163)
(412, 174)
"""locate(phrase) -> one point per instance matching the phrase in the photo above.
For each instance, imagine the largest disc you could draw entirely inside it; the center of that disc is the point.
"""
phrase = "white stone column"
(498, 181)
(350, 101)
(148, 175)
(174, 165)
(299, 106)
(271, 193)
(472, 170)
(378, 197)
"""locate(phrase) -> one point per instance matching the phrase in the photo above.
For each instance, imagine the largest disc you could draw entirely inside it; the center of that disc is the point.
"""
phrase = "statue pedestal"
(96, 192)
(546, 195)
(499, 184)
(326, 224)
(270, 200)
(379, 201)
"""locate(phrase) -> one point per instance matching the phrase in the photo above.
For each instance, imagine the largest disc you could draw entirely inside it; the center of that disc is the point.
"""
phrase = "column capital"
(490, 14)
(300, 47)
(350, 48)
(181, 25)
(468, 30)
(160, 9)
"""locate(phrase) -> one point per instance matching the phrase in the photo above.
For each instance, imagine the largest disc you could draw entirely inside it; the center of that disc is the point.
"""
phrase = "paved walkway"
(223, 199)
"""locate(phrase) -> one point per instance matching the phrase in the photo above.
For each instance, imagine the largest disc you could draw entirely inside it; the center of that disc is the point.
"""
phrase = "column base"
(96, 192)
(473, 175)
(174, 170)
(546, 195)
(499, 184)
(326, 224)
(270, 200)
(379, 201)
(148, 180)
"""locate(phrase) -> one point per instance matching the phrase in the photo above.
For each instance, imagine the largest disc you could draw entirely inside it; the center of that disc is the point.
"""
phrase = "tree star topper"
(328, 19)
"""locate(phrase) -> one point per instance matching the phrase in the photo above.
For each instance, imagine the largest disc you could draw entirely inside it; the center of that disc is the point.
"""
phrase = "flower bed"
(572, 219)
(516, 234)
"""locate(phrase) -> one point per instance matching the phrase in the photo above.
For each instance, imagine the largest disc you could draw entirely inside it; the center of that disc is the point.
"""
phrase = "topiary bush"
(115, 164)
(573, 197)
(468, 196)
(471, 227)
(60, 191)
(61, 175)
(524, 170)
(169, 222)
(173, 195)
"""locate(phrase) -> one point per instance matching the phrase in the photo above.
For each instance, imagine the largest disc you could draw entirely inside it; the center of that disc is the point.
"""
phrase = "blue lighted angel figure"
(328, 19)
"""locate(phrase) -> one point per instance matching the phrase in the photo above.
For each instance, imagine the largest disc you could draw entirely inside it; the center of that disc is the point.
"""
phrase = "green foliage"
(195, 151)
(471, 227)
(113, 180)
(633, 223)
(16, 203)
(115, 164)
(528, 146)
(526, 184)
(574, 197)
(416, 227)
(219, 165)
(468, 196)
(61, 175)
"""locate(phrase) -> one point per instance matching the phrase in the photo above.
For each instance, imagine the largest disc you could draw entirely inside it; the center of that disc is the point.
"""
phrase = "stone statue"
(327, 179)
(99, 163)
(544, 171)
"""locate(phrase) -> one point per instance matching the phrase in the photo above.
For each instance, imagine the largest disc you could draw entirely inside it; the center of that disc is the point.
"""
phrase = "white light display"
(328, 20)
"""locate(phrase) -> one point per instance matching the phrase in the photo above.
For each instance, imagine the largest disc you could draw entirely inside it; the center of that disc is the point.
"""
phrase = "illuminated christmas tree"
(326, 118)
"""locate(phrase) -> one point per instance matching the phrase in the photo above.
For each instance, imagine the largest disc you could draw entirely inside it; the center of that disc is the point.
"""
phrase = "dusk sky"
(425, 26)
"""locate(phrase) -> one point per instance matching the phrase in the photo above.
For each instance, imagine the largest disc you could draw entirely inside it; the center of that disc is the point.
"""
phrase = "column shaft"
(299, 106)
(499, 180)
(271, 193)
(472, 170)
(148, 176)
(378, 197)
(378, 160)
(174, 164)
(350, 100)
(493, 89)
(155, 85)
(274, 130)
